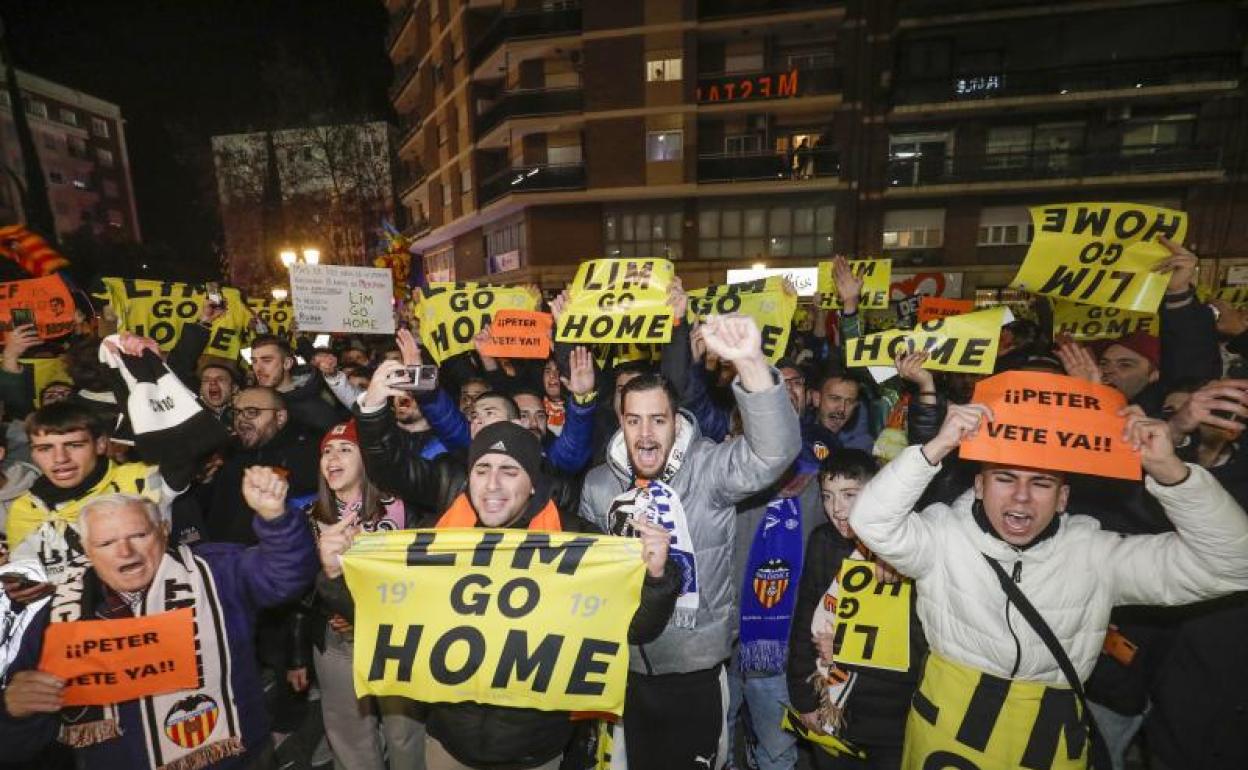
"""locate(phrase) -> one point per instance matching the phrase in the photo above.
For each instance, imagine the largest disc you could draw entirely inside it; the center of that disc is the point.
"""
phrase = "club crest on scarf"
(771, 581)
(820, 450)
(191, 720)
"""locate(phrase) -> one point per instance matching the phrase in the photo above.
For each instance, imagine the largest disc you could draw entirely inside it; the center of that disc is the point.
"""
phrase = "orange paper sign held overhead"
(931, 308)
(46, 300)
(1054, 422)
(519, 334)
(113, 661)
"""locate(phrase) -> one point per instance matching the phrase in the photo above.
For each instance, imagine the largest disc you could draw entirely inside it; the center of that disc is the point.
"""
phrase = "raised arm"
(282, 566)
(385, 460)
(572, 448)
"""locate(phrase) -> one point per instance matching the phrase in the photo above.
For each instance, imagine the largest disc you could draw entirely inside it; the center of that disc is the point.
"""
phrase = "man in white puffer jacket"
(992, 695)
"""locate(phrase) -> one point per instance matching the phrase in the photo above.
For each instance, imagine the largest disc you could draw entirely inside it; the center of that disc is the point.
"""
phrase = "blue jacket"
(280, 568)
(569, 452)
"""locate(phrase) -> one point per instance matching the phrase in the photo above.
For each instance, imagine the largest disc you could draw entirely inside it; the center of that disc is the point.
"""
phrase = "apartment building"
(728, 133)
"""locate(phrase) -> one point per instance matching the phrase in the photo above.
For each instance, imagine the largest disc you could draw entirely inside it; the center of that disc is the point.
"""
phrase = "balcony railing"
(398, 20)
(769, 165)
(712, 9)
(1052, 164)
(402, 74)
(1056, 81)
(564, 176)
(765, 84)
(529, 103)
(409, 124)
(409, 175)
(527, 24)
(920, 8)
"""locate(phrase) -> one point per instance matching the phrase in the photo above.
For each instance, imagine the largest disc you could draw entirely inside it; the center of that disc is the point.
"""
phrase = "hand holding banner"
(1100, 253)
(159, 309)
(112, 661)
(872, 619)
(48, 300)
(1054, 422)
(519, 334)
(619, 300)
(876, 275)
(497, 616)
(770, 302)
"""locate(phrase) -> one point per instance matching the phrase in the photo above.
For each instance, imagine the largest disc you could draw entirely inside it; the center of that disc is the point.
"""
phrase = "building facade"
(327, 188)
(81, 142)
(727, 133)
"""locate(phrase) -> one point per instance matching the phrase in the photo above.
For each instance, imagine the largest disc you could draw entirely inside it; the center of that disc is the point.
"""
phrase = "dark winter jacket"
(229, 518)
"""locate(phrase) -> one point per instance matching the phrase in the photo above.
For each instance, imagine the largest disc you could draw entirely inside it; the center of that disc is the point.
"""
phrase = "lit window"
(99, 127)
(663, 70)
(36, 108)
(69, 117)
(664, 145)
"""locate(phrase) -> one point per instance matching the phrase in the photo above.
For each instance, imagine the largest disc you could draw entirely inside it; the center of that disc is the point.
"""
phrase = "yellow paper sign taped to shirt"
(961, 343)
(876, 275)
(159, 309)
(1100, 253)
(769, 302)
(451, 314)
(619, 300)
(1090, 322)
(503, 617)
(872, 619)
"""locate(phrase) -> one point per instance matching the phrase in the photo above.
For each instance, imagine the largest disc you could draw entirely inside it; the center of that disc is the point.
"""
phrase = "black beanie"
(508, 438)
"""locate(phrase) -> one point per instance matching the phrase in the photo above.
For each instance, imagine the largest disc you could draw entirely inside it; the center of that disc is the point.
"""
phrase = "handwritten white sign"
(334, 298)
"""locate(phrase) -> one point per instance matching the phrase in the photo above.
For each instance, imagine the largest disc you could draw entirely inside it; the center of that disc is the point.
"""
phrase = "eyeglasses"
(252, 412)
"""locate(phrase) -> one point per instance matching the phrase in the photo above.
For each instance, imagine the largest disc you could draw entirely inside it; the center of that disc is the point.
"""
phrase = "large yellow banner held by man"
(159, 309)
(770, 302)
(619, 300)
(876, 275)
(503, 617)
(451, 314)
(961, 343)
(1100, 253)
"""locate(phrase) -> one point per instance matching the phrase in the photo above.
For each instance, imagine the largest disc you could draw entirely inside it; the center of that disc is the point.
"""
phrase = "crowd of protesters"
(1036, 592)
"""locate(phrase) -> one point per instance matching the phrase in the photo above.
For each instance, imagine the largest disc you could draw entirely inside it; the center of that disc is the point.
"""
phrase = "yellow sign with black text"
(504, 617)
(1235, 296)
(768, 301)
(1090, 322)
(876, 275)
(1100, 253)
(159, 309)
(961, 343)
(277, 315)
(619, 300)
(872, 619)
(451, 314)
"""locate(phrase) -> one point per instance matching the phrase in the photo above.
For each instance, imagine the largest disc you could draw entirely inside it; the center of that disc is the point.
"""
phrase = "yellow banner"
(1089, 322)
(498, 616)
(1100, 253)
(963, 343)
(872, 619)
(45, 372)
(609, 355)
(769, 302)
(278, 315)
(876, 275)
(1236, 296)
(619, 300)
(834, 745)
(159, 309)
(451, 314)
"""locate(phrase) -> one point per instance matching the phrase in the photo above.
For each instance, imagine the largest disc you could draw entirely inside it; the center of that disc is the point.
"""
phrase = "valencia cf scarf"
(770, 590)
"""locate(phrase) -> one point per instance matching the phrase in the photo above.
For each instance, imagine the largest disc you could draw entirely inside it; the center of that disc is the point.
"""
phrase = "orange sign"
(1054, 422)
(519, 334)
(931, 308)
(46, 298)
(112, 661)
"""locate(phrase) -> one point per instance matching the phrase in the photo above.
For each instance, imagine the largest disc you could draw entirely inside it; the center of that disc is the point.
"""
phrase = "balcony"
(716, 9)
(566, 176)
(398, 20)
(1106, 76)
(526, 24)
(409, 124)
(1051, 164)
(408, 178)
(529, 103)
(767, 84)
(403, 74)
(769, 165)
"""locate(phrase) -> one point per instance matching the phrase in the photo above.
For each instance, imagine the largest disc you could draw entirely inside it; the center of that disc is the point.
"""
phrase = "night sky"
(184, 71)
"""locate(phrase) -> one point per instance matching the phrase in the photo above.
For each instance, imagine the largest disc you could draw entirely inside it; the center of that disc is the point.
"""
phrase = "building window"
(77, 147)
(110, 189)
(465, 181)
(116, 218)
(914, 229)
(664, 145)
(69, 117)
(105, 157)
(36, 108)
(99, 127)
(1159, 134)
(440, 265)
(727, 231)
(663, 70)
(643, 232)
(56, 177)
(1004, 226)
(751, 61)
(918, 158)
(504, 248)
(745, 144)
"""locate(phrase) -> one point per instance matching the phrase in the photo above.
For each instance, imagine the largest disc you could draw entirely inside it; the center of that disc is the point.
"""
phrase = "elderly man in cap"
(129, 571)
(507, 488)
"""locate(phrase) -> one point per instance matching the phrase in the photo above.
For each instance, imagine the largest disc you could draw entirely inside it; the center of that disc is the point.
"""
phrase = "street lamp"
(280, 294)
(312, 256)
(288, 257)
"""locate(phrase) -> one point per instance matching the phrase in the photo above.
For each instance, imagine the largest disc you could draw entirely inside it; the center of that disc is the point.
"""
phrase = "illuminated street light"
(280, 294)
(288, 257)
(312, 256)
